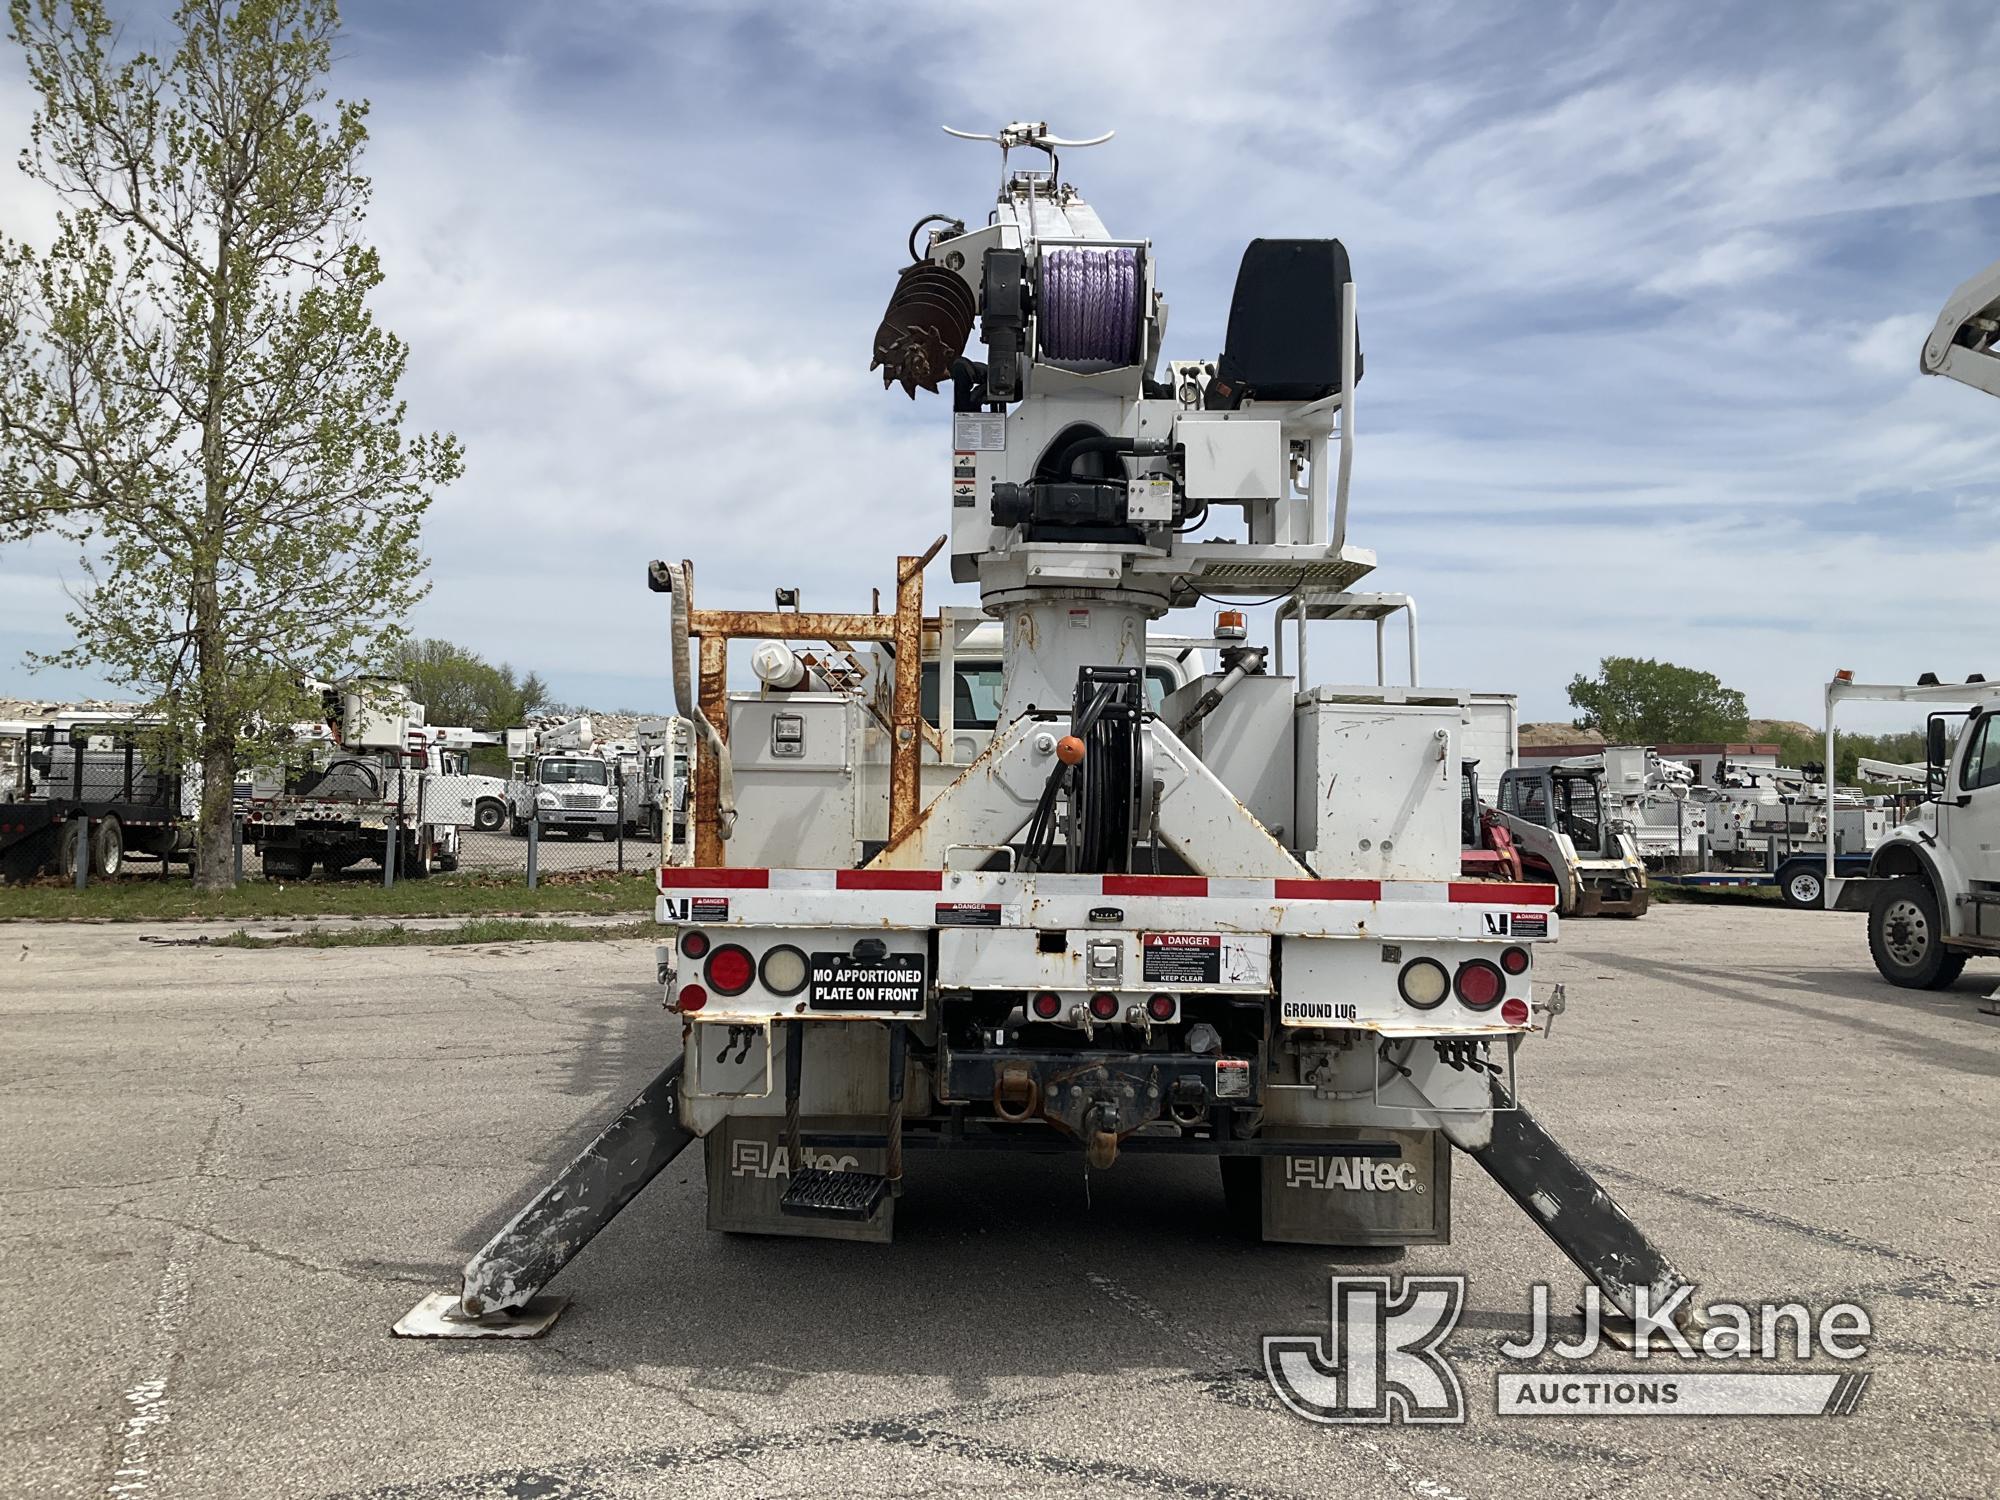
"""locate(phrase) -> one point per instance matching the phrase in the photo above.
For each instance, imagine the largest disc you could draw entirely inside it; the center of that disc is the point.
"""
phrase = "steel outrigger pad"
(500, 1294)
(1583, 1220)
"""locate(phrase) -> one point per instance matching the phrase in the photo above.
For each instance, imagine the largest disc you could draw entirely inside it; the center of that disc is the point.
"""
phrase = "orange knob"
(1069, 750)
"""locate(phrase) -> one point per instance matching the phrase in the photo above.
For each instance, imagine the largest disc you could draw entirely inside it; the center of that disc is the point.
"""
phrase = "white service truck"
(562, 781)
(1228, 925)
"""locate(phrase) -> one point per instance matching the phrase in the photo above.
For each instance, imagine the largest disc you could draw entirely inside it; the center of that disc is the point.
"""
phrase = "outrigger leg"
(1561, 1196)
(500, 1297)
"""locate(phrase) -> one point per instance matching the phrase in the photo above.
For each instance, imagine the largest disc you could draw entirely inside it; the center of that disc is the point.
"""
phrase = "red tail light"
(1514, 960)
(1480, 984)
(1104, 1007)
(693, 997)
(694, 944)
(1515, 1012)
(1046, 1006)
(730, 969)
(1161, 1007)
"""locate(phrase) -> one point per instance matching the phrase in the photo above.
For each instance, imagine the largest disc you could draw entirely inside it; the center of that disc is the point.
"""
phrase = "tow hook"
(1015, 1093)
(1100, 1140)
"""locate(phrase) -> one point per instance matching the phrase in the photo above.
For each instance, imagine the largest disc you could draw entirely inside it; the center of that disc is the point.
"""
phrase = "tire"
(1904, 937)
(489, 815)
(68, 833)
(107, 849)
(516, 827)
(1803, 887)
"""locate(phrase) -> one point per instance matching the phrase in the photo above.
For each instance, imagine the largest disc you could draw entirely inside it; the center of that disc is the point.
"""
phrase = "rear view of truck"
(1225, 923)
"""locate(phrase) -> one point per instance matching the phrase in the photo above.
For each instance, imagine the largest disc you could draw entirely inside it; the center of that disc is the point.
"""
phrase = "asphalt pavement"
(227, 1173)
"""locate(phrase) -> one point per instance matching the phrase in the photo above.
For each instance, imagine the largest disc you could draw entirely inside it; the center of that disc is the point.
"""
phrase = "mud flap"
(1572, 1210)
(1358, 1200)
(747, 1176)
(504, 1276)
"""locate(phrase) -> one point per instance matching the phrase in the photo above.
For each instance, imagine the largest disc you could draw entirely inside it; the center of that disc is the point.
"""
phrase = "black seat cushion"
(1284, 324)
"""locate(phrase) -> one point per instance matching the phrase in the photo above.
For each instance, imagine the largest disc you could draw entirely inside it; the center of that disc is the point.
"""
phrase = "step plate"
(816, 1193)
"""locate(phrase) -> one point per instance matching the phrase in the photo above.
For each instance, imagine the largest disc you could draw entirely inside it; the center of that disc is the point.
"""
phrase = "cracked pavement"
(228, 1172)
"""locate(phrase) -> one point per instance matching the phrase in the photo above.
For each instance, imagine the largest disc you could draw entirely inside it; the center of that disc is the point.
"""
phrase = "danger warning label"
(1180, 957)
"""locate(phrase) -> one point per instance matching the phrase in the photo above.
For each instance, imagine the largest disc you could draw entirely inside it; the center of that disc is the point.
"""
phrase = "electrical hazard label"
(968, 914)
(698, 908)
(1530, 924)
(1180, 957)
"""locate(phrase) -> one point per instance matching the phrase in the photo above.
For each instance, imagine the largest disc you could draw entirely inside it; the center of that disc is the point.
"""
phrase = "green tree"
(192, 387)
(1635, 700)
(457, 686)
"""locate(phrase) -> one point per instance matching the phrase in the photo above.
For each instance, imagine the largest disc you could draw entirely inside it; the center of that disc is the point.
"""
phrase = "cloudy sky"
(1642, 289)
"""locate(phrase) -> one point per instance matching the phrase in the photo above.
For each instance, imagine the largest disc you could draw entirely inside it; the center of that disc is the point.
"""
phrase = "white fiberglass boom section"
(1961, 345)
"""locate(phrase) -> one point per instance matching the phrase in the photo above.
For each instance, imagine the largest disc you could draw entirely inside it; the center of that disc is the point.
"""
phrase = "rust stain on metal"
(902, 631)
(906, 741)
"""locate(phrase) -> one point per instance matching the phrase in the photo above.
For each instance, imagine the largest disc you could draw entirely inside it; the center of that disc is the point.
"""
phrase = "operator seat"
(1284, 325)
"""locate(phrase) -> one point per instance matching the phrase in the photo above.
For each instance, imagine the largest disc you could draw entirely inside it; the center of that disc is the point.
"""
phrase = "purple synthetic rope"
(1090, 304)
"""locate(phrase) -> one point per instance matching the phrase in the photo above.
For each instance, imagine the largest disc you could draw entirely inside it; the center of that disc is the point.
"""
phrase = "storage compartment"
(1378, 788)
(796, 798)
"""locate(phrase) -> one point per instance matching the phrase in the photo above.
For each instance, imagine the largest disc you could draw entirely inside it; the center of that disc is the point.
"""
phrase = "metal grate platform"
(816, 1193)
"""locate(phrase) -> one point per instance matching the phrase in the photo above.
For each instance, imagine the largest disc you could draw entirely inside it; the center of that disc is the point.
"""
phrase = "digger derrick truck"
(1097, 939)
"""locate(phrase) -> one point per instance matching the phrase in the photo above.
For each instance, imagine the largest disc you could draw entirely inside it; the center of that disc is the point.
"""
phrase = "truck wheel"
(67, 836)
(1906, 938)
(1803, 887)
(107, 849)
(489, 815)
(517, 828)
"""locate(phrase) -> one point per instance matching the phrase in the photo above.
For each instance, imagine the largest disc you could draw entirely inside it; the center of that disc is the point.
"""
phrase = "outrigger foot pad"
(442, 1316)
(502, 1293)
(816, 1193)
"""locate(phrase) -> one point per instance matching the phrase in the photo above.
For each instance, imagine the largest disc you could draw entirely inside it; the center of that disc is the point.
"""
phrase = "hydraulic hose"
(1099, 443)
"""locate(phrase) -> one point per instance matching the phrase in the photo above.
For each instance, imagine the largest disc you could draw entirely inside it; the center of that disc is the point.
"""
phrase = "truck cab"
(1935, 878)
(574, 793)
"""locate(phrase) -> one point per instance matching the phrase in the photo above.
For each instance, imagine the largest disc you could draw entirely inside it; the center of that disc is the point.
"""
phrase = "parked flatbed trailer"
(103, 793)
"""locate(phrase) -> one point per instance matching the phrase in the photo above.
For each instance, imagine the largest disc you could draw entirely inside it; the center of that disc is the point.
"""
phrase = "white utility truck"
(562, 780)
(1229, 925)
(368, 802)
(1932, 891)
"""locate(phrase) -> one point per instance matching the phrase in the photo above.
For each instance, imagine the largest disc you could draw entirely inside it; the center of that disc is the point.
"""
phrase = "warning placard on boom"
(1180, 957)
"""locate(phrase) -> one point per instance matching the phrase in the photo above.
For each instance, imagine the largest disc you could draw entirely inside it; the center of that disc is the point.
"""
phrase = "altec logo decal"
(762, 1159)
(1354, 1174)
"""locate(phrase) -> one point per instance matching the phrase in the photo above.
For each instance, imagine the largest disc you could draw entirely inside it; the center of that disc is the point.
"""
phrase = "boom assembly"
(1103, 890)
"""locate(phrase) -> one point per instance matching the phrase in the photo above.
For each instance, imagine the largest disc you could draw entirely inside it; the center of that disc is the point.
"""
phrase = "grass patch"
(152, 898)
(1716, 895)
(483, 930)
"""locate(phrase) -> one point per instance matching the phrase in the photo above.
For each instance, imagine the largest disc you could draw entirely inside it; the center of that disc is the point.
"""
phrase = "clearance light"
(1046, 1006)
(1514, 960)
(1424, 983)
(1161, 1007)
(693, 998)
(1515, 1012)
(1104, 1007)
(694, 944)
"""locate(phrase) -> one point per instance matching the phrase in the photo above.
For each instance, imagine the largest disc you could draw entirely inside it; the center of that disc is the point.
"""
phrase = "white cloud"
(1641, 292)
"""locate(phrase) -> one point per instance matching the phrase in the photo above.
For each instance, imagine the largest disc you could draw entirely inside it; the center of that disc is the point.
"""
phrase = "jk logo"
(1381, 1359)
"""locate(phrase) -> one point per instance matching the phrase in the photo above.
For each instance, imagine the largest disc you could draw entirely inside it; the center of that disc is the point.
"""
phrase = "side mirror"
(1934, 743)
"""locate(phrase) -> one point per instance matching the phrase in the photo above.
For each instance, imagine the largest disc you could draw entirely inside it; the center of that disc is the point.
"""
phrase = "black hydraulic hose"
(1099, 443)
